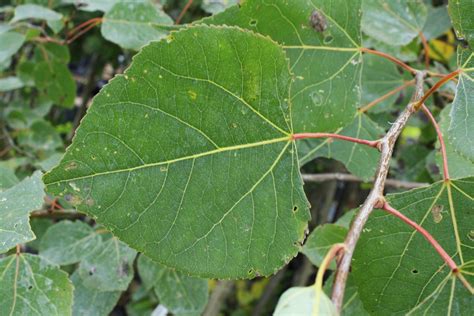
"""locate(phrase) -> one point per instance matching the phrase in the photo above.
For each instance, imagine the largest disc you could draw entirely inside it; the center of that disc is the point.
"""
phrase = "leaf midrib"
(171, 161)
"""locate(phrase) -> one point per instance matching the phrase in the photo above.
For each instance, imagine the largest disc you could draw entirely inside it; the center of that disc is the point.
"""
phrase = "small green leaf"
(437, 23)
(90, 301)
(360, 160)
(133, 25)
(461, 131)
(10, 43)
(301, 301)
(398, 271)
(10, 83)
(216, 6)
(38, 12)
(69, 242)
(461, 16)
(55, 80)
(40, 137)
(320, 241)
(109, 267)
(30, 285)
(181, 294)
(217, 175)
(16, 204)
(394, 22)
(7, 178)
(326, 60)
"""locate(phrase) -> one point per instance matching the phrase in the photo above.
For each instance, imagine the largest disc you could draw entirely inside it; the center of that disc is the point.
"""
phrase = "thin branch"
(446, 257)
(441, 141)
(437, 85)
(322, 177)
(371, 143)
(375, 198)
(183, 12)
(389, 57)
(385, 96)
(426, 48)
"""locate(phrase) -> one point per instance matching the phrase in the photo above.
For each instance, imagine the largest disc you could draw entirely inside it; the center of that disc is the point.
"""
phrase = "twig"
(322, 177)
(426, 49)
(389, 57)
(218, 297)
(371, 143)
(385, 96)
(441, 141)
(375, 198)
(183, 12)
(447, 258)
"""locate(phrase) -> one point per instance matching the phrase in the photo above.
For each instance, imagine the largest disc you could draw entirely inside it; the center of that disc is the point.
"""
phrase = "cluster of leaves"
(188, 157)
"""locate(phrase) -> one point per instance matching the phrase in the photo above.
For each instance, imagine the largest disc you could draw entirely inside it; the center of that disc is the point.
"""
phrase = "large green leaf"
(461, 16)
(91, 301)
(10, 43)
(181, 294)
(394, 22)
(109, 267)
(327, 64)
(68, 242)
(360, 160)
(461, 131)
(396, 269)
(30, 285)
(16, 204)
(133, 25)
(214, 188)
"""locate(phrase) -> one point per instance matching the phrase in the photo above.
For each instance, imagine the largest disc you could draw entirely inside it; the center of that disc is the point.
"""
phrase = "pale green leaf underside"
(30, 285)
(394, 22)
(327, 65)
(90, 301)
(133, 25)
(10, 43)
(396, 269)
(459, 165)
(16, 204)
(298, 301)
(214, 187)
(68, 242)
(109, 267)
(461, 129)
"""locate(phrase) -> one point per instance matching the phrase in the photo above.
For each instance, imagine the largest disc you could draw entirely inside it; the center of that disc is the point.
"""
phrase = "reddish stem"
(371, 143)
(449, 261)
(437, 85)
(389, 57)
(82, 25)
(82, 32)
(385, 96)
(441, 141)
(426, 49)
(183, 12)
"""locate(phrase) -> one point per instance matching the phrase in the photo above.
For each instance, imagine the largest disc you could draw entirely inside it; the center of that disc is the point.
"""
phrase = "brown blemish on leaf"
(318, 22)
